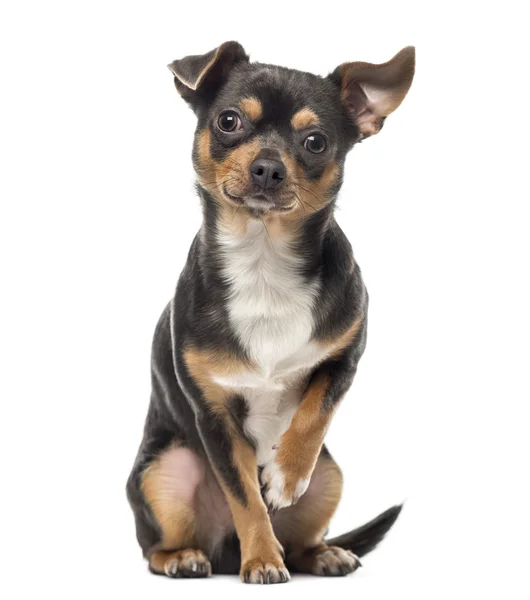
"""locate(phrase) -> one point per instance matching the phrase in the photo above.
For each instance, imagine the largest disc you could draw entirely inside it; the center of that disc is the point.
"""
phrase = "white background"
(97, 214)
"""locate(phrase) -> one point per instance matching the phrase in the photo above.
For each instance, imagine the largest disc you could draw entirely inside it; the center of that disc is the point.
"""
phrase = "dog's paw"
(281, 488)
(261, 571)
(335, 562)
(188, 563)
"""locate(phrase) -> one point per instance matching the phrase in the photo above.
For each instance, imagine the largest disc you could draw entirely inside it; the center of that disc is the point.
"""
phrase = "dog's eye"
(315, 143)
(229, 121)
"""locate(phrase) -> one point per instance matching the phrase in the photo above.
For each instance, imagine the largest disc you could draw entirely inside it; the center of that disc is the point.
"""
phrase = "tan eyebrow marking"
(304, 118)
(251, 107)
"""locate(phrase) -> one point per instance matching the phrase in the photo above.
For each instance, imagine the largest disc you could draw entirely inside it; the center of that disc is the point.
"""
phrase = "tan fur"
(174, 516)
(336, 345)
(237, 165)
(204, 366)
(258, 542)
(203, 147)
(252, 108)
(304, 118)
(316, 194)
(311, 195)
(230, 174)
(186, 559)
(300, 445)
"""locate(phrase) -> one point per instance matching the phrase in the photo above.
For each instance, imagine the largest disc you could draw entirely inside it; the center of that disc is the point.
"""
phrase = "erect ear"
(371, 92)
(198, 75)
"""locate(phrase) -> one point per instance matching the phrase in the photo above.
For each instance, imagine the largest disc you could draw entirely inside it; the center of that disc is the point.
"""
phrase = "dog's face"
(273, 140)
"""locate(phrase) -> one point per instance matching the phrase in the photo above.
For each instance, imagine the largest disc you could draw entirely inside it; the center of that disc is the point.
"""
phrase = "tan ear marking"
(252, 108)
(304, 118)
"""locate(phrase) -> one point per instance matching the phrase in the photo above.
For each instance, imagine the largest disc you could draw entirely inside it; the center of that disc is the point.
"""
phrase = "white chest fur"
(270, 309)
(270, 304)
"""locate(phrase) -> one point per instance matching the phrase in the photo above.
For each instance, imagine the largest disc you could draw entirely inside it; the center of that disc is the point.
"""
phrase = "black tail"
(365, 538)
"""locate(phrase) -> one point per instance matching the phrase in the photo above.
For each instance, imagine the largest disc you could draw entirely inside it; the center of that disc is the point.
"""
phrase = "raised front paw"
(282, 485)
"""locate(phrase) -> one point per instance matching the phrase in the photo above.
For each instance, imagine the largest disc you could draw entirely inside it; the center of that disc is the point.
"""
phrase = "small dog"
(261, 341)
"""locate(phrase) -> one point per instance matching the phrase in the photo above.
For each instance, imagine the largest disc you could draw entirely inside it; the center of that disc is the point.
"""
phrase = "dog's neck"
(305, 238)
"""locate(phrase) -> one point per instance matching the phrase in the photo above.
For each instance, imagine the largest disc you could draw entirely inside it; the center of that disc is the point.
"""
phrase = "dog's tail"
(365, 538)
(360, 541)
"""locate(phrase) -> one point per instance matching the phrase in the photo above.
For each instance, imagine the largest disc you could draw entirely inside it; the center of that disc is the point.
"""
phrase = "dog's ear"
(371, 92)
(198, 77)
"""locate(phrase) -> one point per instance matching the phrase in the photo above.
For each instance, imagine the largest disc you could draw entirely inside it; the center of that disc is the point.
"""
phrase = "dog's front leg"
(286, 476)
(234, 461)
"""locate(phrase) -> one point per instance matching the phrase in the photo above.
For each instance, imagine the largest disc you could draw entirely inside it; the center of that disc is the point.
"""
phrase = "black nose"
(267, 172)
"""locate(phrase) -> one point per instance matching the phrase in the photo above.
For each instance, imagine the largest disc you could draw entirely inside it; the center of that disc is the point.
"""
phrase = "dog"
(263, 336)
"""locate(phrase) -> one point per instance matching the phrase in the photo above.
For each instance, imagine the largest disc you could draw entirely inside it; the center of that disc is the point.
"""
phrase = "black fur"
(364, 539)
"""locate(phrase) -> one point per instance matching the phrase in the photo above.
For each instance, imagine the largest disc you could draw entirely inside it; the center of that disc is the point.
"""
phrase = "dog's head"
(273, 140)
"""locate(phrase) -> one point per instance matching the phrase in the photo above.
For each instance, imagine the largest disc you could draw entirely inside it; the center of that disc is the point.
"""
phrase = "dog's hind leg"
(301, 528)
(166, 493)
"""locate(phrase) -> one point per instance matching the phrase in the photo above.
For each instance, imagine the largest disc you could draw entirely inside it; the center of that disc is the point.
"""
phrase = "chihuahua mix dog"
(262, 338)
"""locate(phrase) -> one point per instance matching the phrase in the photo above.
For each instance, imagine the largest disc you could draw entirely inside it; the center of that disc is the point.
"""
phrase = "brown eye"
(315, 143)
(229, 121)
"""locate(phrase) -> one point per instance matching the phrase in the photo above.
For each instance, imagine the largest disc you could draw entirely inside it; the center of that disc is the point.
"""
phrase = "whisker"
(268, 235)
(220, 185)
(299, 200)
(237, 166)
(305, 202)
(308, 191)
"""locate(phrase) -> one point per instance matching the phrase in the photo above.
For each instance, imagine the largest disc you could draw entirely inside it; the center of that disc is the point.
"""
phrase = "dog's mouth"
(258, 204)
(235, 199)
